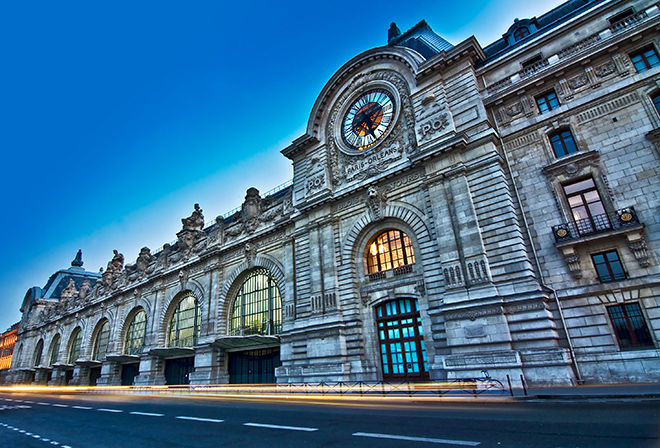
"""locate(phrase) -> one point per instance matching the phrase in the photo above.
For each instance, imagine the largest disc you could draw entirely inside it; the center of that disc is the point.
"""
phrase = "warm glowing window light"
(258, 306)
(390, 249)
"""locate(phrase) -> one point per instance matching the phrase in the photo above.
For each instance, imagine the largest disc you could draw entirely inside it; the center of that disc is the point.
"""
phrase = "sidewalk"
(597, 391)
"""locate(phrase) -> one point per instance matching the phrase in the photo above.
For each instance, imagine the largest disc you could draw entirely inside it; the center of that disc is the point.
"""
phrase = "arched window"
(520, 33)
(258, 306)
(75, 343)
(390, 249)
(562, 143)
(184, 326)
(101, 341)
(38, 352)
(135, 334)
(54, 349)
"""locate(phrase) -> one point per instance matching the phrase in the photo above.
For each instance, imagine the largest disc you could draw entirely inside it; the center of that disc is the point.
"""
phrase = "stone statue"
(117, 263)
(70, 290)
(195, 221)
(77, 262)
(85, 289)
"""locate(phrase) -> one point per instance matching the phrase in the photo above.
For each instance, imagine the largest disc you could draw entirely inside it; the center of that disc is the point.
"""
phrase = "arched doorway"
(401, 341)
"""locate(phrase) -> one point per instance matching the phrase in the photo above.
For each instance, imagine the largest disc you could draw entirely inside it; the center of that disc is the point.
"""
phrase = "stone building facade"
(456, 211)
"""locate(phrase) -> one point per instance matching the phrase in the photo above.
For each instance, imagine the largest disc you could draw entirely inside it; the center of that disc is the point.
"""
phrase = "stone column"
(152, 371)
(207, 366)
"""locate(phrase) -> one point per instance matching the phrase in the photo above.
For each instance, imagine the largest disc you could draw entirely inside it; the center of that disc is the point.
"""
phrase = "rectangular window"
(547, 102)
(645, 59)
(562, 143)
(630, 326)
(586, 207)
(608, 266)
(623, 15)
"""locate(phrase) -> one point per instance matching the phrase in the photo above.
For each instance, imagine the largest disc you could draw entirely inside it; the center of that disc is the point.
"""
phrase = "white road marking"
(200, 419)
(148, 414)
(43, 404)
(28, 402)
(290, 428)
(82, 407)
(58, 405)
(417, 439)
(109, 410)
(52, 442)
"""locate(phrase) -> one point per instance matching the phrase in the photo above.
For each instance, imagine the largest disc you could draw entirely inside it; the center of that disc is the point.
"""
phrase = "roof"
(420, 38)
(538, 26)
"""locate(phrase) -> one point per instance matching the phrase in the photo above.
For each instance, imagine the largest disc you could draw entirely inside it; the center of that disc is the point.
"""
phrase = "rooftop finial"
(393, 32)
(77, 262)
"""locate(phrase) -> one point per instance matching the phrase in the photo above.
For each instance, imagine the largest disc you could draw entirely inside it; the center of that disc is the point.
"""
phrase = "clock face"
(368, 119)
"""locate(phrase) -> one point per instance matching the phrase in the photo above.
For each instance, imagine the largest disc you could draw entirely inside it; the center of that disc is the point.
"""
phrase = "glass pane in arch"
(38, 352)
(54, 349)
(101, 343)
(185, 323)
(389, 250)
(137, 330)
(74, 351)
(257, 308)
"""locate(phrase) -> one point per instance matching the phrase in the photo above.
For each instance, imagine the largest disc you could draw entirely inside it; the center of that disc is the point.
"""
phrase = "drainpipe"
(576, 366)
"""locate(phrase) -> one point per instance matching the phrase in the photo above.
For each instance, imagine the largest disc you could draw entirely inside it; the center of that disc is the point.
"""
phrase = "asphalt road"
(79, 421)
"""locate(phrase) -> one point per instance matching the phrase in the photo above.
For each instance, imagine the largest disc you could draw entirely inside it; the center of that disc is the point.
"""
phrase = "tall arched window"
(258, 306)
(54, 349)
(75, 343)
(101, 341)
(390, 249)
(135, 334)
(38, 352)
(184, 326)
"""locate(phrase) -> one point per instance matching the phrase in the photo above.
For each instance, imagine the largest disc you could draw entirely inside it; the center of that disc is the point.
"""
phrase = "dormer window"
(520, 33)
(615, 20)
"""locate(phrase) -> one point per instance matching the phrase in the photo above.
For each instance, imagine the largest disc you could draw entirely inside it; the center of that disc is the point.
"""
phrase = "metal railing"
(625, 217)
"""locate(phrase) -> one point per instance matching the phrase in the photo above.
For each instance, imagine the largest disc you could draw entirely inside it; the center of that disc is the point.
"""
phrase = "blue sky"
(115, 117)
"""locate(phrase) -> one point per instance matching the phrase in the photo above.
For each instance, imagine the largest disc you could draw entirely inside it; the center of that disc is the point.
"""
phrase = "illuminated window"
(645, 59)
(630, 326)
(136, 333)
(520, 33)
(74, 348)
(54, 349)
(562, 143)
(101, 342)
(184, 326)
(547, 102)
(38, 352)
(608, 266)
(389, 250)
(258, 306)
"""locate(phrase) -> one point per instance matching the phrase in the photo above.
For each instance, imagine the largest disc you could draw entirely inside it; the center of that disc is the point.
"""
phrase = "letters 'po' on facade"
(454, 209)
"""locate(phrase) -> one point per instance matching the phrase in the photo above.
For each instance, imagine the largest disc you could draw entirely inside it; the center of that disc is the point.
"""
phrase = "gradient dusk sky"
(116, 117)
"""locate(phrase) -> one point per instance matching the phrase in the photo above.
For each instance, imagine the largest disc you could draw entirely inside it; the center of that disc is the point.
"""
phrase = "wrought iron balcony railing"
(625, 217)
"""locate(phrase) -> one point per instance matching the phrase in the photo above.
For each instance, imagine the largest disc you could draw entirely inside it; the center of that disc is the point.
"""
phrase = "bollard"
(508, 379)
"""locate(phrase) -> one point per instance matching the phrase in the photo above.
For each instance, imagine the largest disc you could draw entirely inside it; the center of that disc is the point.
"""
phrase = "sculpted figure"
(117, 263)
(195, 221)
(70, 290)
(85, 289)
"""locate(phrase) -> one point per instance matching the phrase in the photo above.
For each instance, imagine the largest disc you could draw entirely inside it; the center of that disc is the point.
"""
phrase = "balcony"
(623, 218)
(570, 235)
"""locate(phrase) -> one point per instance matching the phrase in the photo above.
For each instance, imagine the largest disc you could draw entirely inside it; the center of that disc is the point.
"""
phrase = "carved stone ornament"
(183, 278)
(605, 69)
(578, 81)
(195, 221)
(85, 290)
(70, 290)
(144, 265)
(433, 119)
(514, 109)
(250, 251)
(113, 271)
(345, 165)
(572, 259)
(376, 202)
(256, 210)
(217, 233)
(251, 209)
(637, 245)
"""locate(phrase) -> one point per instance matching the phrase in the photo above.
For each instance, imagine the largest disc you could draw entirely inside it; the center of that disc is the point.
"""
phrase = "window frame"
(36, 361)
(641, 53)
(547, 102)
(54, 352)
(521, 33)
(655, 100)
(607, 263)
(595, 221)
(562, 139)
(97, 340)
(268, 305)
(174, 332)
(75, 345)
(634, 344)
(129, 347)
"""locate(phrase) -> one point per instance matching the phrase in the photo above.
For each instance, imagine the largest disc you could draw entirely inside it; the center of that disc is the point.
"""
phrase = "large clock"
(368, 119)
